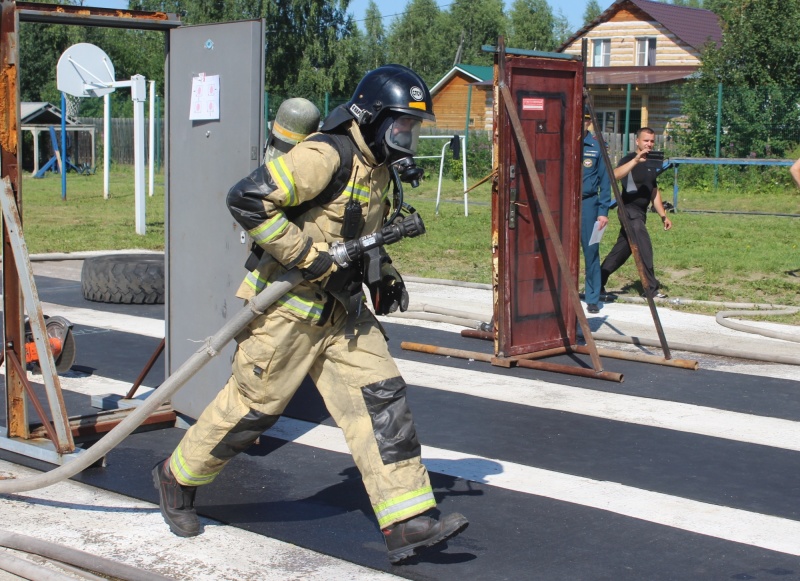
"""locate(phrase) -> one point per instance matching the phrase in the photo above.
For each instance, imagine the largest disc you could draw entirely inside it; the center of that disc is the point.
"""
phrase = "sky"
(572, 9)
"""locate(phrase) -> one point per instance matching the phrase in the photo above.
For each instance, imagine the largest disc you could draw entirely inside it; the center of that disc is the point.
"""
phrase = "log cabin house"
(463, 88)
(637, 49)
(642, 51)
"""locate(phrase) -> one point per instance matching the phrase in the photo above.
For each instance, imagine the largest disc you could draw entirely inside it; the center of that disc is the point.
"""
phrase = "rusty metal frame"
(18, 434)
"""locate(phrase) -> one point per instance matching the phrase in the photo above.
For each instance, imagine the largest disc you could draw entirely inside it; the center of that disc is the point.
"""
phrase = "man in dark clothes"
(639, 189)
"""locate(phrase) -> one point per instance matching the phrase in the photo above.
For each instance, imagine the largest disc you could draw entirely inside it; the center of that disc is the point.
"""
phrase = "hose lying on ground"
(71, 556)
(212, 346)
(27, 570)
(723, 315)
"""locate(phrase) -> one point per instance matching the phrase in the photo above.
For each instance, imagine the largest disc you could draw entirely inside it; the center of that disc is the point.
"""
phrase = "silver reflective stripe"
(254, 282)
(284, 180)
(311, 310)
(270, 229)
(358, 192)
(183, 475)
(406, 505)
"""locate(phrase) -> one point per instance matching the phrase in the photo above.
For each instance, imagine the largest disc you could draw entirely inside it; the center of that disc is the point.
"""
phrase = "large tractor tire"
(124, 279)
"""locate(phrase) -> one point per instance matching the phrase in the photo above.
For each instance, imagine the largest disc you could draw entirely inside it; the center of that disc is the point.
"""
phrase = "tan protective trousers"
(362, 389)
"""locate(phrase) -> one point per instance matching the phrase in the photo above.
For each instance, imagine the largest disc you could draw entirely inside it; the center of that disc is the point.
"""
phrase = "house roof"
(637, 75)
(479, 74)
(41, 113)
(693, 26)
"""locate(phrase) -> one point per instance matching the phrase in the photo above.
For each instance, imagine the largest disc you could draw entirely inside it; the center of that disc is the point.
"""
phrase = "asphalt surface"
(672, 474)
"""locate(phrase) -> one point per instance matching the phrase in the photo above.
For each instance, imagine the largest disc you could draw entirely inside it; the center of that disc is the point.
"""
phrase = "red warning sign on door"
(532, 104)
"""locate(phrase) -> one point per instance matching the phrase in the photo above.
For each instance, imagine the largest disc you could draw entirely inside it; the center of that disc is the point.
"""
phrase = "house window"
(601, 52)
(608, 121)
(645, 52)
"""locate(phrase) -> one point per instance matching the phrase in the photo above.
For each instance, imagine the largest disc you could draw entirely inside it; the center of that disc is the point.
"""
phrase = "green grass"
(714, 257)
(86, 221)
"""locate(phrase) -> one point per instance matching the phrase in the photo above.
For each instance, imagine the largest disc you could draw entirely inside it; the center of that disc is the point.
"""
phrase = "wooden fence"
(121, 140)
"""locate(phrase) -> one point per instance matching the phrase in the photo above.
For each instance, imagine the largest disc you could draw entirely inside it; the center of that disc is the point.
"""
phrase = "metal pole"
(464, 176)
(106, 142)
(675, 187)
(63, 160)
(627, 119)
(719, 131)
(469, 108)
(151, 139)
(266, 116)
(486, 358)
(159, 133)
(138, 95)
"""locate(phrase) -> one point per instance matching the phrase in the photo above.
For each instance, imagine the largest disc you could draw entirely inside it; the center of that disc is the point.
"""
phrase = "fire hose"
(344, 254)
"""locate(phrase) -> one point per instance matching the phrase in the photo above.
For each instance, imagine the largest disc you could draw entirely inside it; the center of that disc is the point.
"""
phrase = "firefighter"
(293, 210)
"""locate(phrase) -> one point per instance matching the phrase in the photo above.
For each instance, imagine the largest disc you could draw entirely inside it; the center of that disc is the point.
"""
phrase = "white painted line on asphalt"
(731, 524)
(683, 417)
(131, 531)
(111, 321)
(91, 384)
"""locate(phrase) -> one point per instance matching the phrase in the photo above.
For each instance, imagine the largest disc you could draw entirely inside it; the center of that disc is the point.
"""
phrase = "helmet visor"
(403, 134)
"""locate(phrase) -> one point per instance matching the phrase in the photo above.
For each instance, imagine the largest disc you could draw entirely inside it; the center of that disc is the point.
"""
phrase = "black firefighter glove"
(389, 293)
(317, 264)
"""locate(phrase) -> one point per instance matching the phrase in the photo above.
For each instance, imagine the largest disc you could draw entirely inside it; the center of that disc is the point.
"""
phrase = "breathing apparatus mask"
(397, 139)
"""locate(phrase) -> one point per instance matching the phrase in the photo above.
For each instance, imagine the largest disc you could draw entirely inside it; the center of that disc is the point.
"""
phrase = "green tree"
(561, 28)
(311, 45)
(374, 40)
(309, 48)
(416, 40)
(531, 26)
(472, 24)
(592, 11)
(758, 65)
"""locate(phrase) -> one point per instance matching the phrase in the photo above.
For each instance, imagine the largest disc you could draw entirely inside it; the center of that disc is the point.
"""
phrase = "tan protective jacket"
(300, 175)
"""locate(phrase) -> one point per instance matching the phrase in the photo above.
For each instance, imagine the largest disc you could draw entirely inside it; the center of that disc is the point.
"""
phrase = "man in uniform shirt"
(594, 210)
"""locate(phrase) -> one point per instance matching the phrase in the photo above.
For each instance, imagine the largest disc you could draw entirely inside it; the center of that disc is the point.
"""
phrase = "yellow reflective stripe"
(182, 474)
(309, 309)
(255, 282)
(269, 229)
(294, 303)
(359, 193)
(404, 506)
(285, 180)
(289, 135)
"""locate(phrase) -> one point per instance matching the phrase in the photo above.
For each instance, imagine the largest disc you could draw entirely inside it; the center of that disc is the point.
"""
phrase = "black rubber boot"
(176, 502)
(403, 538)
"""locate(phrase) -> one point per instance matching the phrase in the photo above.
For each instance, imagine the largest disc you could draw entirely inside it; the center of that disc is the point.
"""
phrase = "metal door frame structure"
(504, 99)
(18, 436)
(506, 110)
